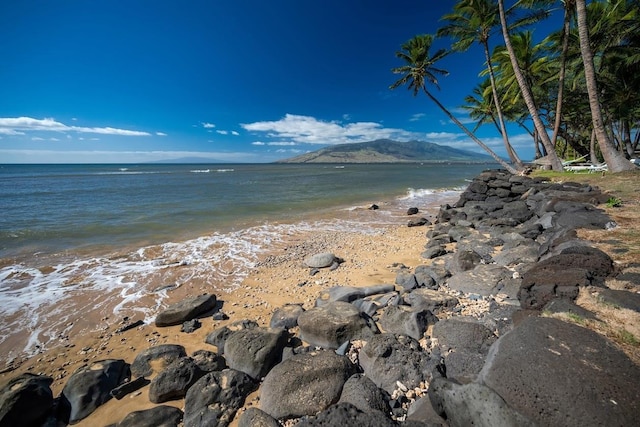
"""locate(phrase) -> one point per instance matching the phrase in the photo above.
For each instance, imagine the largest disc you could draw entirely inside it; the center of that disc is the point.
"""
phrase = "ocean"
(81, 245)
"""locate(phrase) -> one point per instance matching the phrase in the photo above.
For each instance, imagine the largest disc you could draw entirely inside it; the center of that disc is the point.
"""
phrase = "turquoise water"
(108, 234)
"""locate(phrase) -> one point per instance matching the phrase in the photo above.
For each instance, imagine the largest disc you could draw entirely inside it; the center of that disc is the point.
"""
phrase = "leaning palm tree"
(419, 70)
(527, 95)
(474, 21)
(615, 160)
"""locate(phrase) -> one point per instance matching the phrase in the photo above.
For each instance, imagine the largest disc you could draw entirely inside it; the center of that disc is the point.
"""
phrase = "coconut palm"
(474, 21)
(527, 96)
(616, 161)
(419, 70)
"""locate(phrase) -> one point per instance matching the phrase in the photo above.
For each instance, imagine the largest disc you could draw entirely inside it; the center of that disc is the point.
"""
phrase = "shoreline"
(369, 259)
(275, 281)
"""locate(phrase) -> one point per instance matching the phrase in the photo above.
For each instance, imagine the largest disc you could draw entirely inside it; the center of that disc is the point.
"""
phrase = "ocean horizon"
(84, 242)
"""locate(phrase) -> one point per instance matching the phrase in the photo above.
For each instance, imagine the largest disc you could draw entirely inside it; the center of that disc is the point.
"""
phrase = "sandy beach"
(280, 278)
(371, 257)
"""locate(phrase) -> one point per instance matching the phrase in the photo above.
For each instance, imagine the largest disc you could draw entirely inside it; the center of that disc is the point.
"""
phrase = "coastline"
(274, 281)
(280, 278)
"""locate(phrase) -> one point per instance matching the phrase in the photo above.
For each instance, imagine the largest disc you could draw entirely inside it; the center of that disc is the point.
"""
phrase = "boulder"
(159, 416)
(458, 232)
(618, 298)
(350, 293)
(463, 260)
(25, 400)
(220, 335)
(404, 320)
(558, 373)
(422, 411)
(331, 325)
(428, 299)
(304, 384)
(434, 252)
(322, 260)
(437, 273)
(406, 280)
(473, 404)
(484, 279)
(389, 358)
(465, 345)
(89, 387)
(364, 394)
(216, 397)
(562, 276)
(254, 417)
(185, 310)
(174, 381)
(208, 361)
(412, 211)
(190, 326)
(286, 317)
(159, 356)
(418, 222)
(255, 351)
(346, 414)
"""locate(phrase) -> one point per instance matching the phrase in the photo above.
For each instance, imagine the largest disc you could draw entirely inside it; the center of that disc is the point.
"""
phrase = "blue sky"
(239, 81)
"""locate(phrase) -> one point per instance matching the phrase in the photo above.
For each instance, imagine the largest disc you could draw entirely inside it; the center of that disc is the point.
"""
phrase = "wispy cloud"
(417, 117)
(234, 133)
(161, 134)
(223, 132)
(21, 125)
(207, 125)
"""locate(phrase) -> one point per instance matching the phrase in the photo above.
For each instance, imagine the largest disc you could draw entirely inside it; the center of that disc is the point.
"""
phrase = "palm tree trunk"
(616, 162)
(593, 157)
(566, 27)
(503, 130)
(527, 96)
(471, 135)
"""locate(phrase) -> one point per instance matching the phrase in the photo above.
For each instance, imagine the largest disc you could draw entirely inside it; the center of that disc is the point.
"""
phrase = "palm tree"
(473, 21)
(527, 96)
(615, 160)
(419, 70)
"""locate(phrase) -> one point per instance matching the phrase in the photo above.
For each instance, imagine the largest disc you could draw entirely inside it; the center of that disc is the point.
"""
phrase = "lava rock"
(305, 384)
(185, 310)
(25, 400)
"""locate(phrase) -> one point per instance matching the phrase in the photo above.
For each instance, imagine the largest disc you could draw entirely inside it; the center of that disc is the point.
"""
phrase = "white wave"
(41, 303)
(225, 170)
(200, 171)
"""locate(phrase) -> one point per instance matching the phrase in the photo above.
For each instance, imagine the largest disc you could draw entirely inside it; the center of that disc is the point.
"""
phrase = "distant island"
(389, 151)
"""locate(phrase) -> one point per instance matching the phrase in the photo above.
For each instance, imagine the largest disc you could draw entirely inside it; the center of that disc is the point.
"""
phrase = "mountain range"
(389, 151)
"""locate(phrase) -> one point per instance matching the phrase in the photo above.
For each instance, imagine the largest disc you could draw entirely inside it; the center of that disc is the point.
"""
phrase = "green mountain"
(388, 151)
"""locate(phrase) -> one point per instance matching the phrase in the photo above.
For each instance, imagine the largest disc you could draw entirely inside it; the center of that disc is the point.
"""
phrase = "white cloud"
(309, 130)
(258, 143)
(233, 132)
(161, 134)
(54, 139)
(416, 117)
(223, 132)
(20, 125)
(208, 125)
(37, 138)
(282, 143)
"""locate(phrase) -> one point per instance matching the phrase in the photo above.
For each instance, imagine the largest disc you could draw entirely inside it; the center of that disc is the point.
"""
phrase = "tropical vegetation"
(576, 91)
